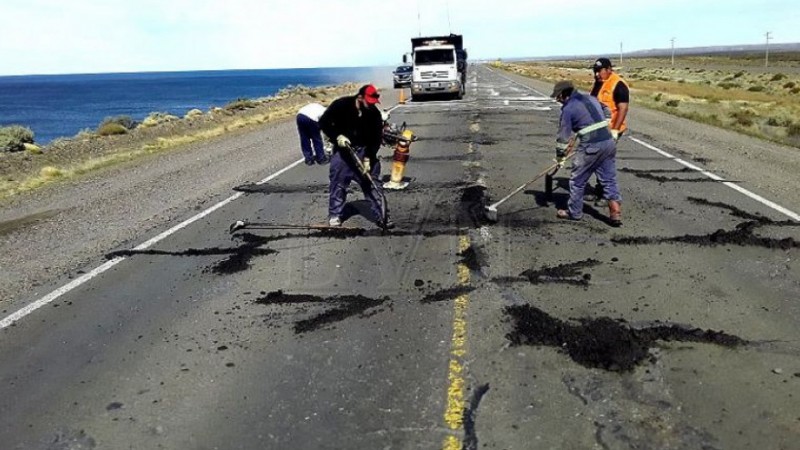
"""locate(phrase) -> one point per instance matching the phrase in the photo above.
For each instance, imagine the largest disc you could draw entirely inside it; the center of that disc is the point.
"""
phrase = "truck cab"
(439, 66)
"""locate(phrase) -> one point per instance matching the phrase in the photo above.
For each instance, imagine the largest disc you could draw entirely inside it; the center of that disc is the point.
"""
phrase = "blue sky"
(91, 36)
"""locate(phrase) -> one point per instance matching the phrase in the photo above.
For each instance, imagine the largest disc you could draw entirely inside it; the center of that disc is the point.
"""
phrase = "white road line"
(24, 311)
(791, 214)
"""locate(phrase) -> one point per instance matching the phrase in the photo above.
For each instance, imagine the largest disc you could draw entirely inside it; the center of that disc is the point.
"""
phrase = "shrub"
(673, 103)
(756, 88)
(240, 104)
(777, 77)
(789, 85)
(110, 129)
(193, 113)
(727, 85)
(738, 74)
(14, 137)
(658, 97)
(743, 117)
(793, 130)
(795, 90)
(157, 118)
(125, 121)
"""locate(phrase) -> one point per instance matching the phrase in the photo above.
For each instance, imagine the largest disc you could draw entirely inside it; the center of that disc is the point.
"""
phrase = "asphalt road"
(678, 330)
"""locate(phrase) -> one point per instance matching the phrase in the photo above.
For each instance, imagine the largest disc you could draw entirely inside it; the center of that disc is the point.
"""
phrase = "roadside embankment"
(88, 151)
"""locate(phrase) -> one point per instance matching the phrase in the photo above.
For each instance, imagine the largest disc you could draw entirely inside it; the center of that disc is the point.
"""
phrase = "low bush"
(193, 113)
(777, 77)
(738, 74)
(795, 90)
(125, 121)
(743, 117)
(658, 97)
(793, 130)
(157, 118)
(14, 137)
(756, 88)
(727, 85)
(673, 103)
(789, 85)
(111, 129)
(241, 104)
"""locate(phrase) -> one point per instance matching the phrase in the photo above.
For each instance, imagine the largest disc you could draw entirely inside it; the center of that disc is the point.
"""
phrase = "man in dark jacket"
(354, 121)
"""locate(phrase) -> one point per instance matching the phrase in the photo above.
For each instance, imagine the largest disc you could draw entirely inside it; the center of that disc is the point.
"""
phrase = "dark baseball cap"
(560, 87)
(601, 63)
(370, 94)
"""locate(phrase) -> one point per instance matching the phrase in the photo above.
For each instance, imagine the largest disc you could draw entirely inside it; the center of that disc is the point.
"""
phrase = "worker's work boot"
(614, 213)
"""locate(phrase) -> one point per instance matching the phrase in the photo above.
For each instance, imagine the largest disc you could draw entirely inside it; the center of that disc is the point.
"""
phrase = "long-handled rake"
(491, 211)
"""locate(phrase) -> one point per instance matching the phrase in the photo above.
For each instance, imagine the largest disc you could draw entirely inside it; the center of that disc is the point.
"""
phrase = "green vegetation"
(110, 129)
(14, 137)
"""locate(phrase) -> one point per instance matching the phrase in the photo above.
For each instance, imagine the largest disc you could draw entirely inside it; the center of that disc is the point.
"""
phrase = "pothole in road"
(602, 343)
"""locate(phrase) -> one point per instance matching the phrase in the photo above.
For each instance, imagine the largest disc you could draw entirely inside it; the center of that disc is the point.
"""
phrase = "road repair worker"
(613, 92)
(354, 121)
(310, 137)
(595, 150)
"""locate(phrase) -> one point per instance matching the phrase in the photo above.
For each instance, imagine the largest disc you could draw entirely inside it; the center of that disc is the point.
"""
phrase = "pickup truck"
(402, 76)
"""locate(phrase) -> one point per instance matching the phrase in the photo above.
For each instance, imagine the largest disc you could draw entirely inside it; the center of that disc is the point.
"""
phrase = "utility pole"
(620, 53)
(766, 56)
(419, 23)
(673, 50)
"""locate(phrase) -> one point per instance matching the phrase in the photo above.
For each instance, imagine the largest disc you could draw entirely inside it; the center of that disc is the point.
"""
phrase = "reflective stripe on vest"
(606, 96)
(595, 126)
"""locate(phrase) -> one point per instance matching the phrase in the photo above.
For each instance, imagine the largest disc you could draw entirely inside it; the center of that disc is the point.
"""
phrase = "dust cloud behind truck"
(439, 66)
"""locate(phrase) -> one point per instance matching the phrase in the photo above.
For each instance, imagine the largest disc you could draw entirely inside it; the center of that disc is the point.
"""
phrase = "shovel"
(362, 170)
(240, 224)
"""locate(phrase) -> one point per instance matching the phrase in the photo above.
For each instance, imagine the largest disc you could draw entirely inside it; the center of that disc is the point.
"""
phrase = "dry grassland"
(736, 94)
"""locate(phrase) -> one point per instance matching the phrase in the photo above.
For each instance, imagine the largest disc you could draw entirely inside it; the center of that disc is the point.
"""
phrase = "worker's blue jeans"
(309, 133)
(596, 158)
(343, 170)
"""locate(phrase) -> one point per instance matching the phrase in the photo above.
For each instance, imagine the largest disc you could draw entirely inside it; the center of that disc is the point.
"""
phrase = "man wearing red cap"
(354, 121)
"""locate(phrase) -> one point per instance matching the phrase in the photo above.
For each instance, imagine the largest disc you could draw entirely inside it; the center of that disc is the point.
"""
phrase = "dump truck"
(439, 66)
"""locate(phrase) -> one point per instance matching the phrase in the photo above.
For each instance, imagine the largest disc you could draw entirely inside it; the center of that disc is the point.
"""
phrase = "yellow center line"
(454, 413)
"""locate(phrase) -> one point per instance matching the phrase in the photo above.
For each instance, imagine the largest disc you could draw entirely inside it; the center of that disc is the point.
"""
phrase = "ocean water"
(62, 105)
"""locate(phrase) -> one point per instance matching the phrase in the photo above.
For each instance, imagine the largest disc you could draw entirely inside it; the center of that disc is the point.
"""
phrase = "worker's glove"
(385, 115)
(365, 163)
(328, 148)
(342, 141)
(561, 153)
(560, 160)
(615, 134)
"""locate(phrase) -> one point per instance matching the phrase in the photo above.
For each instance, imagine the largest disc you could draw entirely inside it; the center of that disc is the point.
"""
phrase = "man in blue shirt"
(595, 150)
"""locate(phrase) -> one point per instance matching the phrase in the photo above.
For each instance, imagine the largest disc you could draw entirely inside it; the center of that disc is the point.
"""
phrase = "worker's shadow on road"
(358, 208)
(559, 200)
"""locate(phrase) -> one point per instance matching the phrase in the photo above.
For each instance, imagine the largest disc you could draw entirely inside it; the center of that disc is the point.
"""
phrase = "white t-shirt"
(313, 111)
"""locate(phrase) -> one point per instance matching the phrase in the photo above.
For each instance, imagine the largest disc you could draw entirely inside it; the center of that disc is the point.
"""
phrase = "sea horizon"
(62, 105)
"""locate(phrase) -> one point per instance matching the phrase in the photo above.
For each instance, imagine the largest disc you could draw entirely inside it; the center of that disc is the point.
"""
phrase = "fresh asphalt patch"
(742, 235)
(602, 342)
